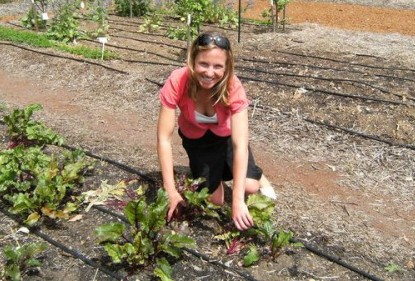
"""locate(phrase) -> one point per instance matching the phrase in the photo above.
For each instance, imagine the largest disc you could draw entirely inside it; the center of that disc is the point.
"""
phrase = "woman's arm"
(239, 126)
(165, 128)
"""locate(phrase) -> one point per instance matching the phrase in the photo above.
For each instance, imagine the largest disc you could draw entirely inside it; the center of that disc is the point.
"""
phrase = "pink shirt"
(174, 94)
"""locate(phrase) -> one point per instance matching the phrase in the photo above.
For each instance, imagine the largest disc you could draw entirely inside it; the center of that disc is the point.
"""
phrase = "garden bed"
(332, 125)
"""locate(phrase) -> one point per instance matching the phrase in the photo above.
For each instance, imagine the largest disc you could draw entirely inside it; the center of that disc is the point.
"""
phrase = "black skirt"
(211, 158)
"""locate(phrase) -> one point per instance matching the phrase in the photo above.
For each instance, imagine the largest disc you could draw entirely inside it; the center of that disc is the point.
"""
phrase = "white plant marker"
(82, 4)
(189, 21)
(45, 16)
(102, 40)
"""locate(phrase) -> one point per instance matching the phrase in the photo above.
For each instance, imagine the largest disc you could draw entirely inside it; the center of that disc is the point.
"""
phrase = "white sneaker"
(268, 191)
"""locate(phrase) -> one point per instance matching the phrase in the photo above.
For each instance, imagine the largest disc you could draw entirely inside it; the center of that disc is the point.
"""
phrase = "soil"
(332, 124)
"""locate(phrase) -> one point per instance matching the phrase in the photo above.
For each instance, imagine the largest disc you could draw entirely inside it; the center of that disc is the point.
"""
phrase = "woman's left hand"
(241, 216)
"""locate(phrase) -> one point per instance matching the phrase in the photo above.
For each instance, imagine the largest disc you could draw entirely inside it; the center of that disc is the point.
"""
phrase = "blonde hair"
(220, 92)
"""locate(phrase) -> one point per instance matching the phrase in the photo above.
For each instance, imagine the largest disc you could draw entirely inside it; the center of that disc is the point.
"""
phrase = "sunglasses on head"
(220, 41)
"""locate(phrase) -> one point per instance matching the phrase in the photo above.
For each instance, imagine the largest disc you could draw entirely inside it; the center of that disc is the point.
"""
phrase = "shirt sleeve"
(238, 100)
(173, 88)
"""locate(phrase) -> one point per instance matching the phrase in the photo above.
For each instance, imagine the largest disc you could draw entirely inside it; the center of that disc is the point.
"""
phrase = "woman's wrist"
(236, 197)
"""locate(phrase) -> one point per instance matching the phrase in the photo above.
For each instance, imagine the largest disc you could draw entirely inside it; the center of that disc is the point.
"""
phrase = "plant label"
(103, 40)
(189, 19)
(45, 16)
(82, 5)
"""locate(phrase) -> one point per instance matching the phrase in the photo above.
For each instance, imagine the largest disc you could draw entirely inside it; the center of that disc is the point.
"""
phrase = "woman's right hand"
(175, 203)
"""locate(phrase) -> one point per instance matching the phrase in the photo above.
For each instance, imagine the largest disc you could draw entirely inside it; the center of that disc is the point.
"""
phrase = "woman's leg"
(262, 185)
(252, 186)
(218, 196)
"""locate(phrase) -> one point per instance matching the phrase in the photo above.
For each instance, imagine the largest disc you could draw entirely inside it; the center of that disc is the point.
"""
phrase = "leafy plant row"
(32, 181)
(77, 19)
(37, 184)
(66, 24)
(41, 40)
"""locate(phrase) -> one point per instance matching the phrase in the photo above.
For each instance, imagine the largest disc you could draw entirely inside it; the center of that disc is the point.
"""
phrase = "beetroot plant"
(22, 129)
(35, 183)
(196, 202)
(144, 240)
(20, 259)
(263, 233)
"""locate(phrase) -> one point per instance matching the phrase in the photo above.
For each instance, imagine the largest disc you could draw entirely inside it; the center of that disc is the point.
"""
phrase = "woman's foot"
(266, 188)
(268, 191)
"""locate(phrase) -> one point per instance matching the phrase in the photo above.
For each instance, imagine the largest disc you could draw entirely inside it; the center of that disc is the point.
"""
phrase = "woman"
(213, 125)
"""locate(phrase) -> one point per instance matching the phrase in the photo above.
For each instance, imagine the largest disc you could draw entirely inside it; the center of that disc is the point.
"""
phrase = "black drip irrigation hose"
(64, 248)
(349, 131)
(115, 29)
(114, 163)
(152, 62)
(150, 42)
(64, 57)
(348, 62)
(337, 260)
(298, 64)
(137, 25)
(314, 90)
(242, 77)
(297, 54)
(395, 77)
(155, 82)
(376, 138)
(352, 81)
(218, 263)
(17, 25)
(134, 50)
(325, 68)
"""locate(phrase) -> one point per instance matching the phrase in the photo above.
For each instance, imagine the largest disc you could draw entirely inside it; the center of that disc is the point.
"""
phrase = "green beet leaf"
(173, 244)
(21, 203)
(32, 218)
(260, 207)
(252, 256)
(13, 272)
(135, 212)
(110, 232)
(116, 252)
(163, 270)
(21, 258)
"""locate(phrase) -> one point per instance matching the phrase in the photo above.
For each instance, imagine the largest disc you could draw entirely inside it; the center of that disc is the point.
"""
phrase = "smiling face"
(210, 67)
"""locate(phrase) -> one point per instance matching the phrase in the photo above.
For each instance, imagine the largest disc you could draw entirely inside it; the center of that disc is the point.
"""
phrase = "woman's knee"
(252, 186)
